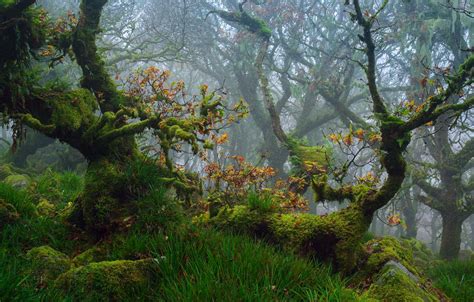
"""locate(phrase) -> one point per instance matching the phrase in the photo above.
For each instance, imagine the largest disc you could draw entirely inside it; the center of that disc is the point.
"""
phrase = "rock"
(45, 208)
(108, 280)
(396, 284)
(47, 263)
(397, 265)
(5, 171)
(89, 256)
(390, 267)
(17, 181)
(8, 214)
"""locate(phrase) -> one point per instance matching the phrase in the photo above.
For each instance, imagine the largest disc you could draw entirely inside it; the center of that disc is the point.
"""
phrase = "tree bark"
(451, 236)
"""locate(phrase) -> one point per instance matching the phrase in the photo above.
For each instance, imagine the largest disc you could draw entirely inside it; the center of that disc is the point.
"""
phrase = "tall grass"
(205, 265)
(456, 279)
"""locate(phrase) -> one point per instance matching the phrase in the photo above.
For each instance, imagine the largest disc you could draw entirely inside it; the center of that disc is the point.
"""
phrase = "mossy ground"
(193, 263)
(186, 262)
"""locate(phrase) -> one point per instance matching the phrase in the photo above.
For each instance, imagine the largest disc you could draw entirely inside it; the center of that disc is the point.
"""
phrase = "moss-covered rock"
(5, 171)
(396, 284)
(45, 208)
(389, 272)
(17, 180)
(422, 256)
(8, 214)
(47, 263)
(89, 256)
(109, 280)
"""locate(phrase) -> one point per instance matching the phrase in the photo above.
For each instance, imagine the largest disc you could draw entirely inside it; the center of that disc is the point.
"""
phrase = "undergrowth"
(456, 279)
(195, 264)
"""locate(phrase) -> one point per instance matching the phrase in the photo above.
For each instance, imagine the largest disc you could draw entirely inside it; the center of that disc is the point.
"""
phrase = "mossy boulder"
(422, 255)
(47, 263)
(89, 256)
(17, 180)
(8, 213)
(5, 171)
(109, 280)
(388, 272)
(396, 284)
(45, 208)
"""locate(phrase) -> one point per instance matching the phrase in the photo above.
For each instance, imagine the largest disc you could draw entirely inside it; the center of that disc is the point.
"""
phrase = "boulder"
(47, 263)
(109, 280)
(19, 181)
(89, 256)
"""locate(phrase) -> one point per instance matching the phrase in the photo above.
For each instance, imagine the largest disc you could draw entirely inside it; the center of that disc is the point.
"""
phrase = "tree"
(97, 119)
(337, 235)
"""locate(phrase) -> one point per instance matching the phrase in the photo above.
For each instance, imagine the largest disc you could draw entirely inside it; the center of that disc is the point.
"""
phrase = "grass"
(455, 279)
(60, 188)
(195, 264)
(263, 202)
(205, 265)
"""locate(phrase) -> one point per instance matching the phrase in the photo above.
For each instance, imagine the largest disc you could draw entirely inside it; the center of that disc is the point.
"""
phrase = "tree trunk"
(451, 236)
(108, 189)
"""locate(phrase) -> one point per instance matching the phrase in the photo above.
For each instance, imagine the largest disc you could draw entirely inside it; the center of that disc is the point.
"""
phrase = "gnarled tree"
(97, 119)
(337, 236)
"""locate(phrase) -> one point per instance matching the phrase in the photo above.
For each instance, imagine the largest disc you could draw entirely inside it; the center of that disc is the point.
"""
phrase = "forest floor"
(189, 263)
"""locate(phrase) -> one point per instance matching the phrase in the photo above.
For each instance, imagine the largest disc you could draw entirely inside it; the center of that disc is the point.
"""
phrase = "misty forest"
(237, 150)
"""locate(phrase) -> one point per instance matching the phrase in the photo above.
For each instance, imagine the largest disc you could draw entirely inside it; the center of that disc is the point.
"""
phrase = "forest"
(237, 150)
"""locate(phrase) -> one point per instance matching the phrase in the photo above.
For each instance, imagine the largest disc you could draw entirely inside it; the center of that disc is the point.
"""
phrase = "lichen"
(109, 280)
(47, 263)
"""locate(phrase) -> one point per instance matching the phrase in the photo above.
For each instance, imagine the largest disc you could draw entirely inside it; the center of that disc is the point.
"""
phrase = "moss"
(45, 208)
(422, 256)
(6, 170)
(8, 214)
(387, 270)
(89, 256)
(394, 285)
(381, 250)
(47, 264)
(307, 158)
(73, 110)
(109, 280)
(333, 238)
(17, 180)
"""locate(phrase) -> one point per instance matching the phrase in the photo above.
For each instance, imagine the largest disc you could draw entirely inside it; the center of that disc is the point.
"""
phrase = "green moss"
(394, 285)
(333, 238)
(307, 158)
(89, 256)
(381, 250)
(119, 280)
(8, 214)
(45, 208)
(422, 256)
(73, 109)
(47, 264)
(17, 180)
(6, 170)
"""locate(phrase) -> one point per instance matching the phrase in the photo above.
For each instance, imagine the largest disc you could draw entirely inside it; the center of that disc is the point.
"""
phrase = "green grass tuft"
(456, 279)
